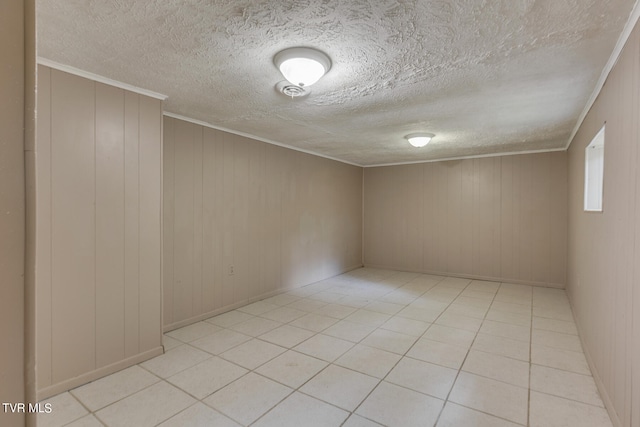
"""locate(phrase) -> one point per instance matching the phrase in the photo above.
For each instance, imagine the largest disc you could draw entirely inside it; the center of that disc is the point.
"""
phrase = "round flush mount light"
(302, 66)
(419, 139)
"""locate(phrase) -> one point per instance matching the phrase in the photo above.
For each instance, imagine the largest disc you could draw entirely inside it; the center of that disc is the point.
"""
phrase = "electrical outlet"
(231, 271)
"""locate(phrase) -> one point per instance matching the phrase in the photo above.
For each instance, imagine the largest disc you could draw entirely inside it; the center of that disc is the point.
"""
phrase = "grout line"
(366, 283)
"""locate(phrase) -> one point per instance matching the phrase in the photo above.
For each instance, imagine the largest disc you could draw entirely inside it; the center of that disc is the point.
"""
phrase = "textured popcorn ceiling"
(486, 76)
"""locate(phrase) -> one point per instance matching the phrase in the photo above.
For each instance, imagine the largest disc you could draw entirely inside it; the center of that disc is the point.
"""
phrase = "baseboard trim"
(608, 403)
(472, 276)
(200, 317)
(85, 378)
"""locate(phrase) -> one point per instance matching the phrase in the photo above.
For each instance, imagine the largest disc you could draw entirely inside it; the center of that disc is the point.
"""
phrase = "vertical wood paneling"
(150, 173)
(281, 218)
(196, 305)
(109, 216)
(241, 237)
(603, 249)
(488, 218)
(272, 219)
(184, 231)
(97, 209)
(73, 225)
(168, 210)
(228, 213)
(209, 203)
(131, 225)
(43, 230)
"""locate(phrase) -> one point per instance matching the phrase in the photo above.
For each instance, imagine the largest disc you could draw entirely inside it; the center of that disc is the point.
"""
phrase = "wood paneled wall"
(97, 229)
(498, 218)
(604, 248)
(279, 218)
(12, 207)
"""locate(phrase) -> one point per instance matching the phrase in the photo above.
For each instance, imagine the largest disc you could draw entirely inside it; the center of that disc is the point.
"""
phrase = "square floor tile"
(287, 336)
(253, 353)
(199, 415)
(194, 331)
(86, 421)
(406, 326)
(358, 421)
(229, 318)
(204, 378)
(422, 314)
(248, 398)
(175, 360)
(509, 307)
(324, 347)
(565, 384)
(466, 310)
(499, 368)
(556, 340)
(368, 360)
(114, 387)
(472, 293)
(257, 308)
(220, 342)
(349, 331)
(434, 380)
(481, 304)
(341, 387)
(336, 311)
(502, 346)
(292, 368)
(282, 299)
(500, 329)
(484, 286)
(551, 411)
(440, 353)
(283, 314)
(255, 326)
(307, 305)
(168, 343)
(367, 317)
(146, 408)
(384, 307)
(449, 335)
(301, 410)
(459, 322)
(491, 396)
(314, 322)
(325, 296)
(561, 359)
(555, 325)
(507, 317)
(513, 298)
(557, 312)
(457, 416)
(64, 409)
(394, 342)
(391, 405)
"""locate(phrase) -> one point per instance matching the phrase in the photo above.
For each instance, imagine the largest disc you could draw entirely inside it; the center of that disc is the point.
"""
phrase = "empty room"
(320, 213)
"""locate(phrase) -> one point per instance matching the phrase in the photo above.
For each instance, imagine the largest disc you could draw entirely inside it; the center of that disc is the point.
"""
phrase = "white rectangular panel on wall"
(97, 209)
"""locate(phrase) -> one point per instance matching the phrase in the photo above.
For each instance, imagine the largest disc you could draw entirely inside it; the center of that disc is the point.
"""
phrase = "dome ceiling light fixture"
(302, 67)
(419, 139)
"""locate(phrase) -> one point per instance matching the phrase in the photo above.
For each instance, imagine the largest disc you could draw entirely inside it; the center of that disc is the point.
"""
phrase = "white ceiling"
(486, 76)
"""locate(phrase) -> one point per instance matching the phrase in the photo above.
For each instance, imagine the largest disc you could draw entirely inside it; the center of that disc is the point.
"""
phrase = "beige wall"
(12, 202)
(498, 218)
(97, 229)
(604, 248)
(281, 218)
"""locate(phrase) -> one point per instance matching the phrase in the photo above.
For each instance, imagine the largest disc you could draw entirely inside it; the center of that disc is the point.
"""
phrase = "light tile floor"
(367, 348)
